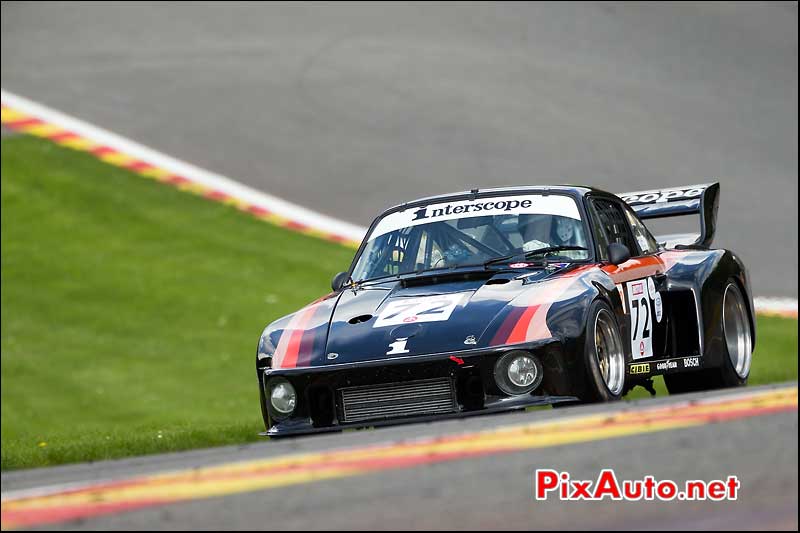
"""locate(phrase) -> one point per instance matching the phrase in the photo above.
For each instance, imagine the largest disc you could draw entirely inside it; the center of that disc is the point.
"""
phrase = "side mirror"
(339, 281)
(618, 253)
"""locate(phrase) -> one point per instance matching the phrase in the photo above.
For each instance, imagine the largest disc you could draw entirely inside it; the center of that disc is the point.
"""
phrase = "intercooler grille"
(393, 400)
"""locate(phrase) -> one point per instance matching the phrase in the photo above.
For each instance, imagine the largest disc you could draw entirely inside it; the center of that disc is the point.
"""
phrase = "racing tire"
(737, 348)
(604, 356)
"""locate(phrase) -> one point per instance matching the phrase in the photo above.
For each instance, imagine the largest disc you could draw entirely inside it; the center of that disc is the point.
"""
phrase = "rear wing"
(701, 199)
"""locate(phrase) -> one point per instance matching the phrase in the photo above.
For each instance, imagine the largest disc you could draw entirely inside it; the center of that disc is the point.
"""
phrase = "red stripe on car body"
(289, 358)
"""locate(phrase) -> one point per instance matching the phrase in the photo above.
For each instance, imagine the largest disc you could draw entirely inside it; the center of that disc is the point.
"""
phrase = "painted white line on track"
(776, 305)
(245, 193)
(47, 490)
(210, 179)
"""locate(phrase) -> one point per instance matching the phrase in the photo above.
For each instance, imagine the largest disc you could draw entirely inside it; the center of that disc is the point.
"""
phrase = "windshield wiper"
(554, 249)
(505, 258)
(532, 253)
(411, 273)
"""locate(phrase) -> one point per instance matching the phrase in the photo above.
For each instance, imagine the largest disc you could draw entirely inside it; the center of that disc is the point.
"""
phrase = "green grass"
(775, 358)
(131, 311)
(774, 361)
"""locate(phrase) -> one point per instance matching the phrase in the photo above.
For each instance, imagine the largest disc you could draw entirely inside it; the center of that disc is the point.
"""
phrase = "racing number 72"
(431, 308)
(400, 308)
(643, 304)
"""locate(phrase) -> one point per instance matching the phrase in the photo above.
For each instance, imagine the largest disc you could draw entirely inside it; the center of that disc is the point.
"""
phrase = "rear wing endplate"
(700, 199)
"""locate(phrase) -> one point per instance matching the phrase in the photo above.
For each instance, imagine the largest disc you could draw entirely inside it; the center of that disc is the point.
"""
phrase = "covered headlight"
(282, 397)
(265, 346)
(518, 372)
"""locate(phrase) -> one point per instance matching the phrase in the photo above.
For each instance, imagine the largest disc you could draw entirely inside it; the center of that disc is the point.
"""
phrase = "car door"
(637, 278)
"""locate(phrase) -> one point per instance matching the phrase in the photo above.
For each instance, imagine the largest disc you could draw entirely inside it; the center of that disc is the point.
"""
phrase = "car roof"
(572, 190)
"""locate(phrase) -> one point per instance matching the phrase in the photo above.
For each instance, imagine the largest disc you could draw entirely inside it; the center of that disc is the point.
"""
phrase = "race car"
(498, 299)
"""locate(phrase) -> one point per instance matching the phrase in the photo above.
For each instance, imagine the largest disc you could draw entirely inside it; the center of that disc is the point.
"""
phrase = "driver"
(566, 232)
(455, 255)
(544, 231)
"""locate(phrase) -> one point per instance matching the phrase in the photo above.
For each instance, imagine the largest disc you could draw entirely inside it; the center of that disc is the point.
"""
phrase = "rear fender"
(704, 274)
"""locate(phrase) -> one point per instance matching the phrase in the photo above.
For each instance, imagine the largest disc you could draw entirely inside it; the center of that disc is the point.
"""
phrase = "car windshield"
(472, 232)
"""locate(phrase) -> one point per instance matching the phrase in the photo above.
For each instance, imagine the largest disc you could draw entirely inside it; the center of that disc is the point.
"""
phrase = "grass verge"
(774, 361)
(131, 311)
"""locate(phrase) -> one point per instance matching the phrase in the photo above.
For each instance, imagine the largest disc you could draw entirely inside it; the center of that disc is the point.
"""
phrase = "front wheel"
(738, 347)
(604, 356)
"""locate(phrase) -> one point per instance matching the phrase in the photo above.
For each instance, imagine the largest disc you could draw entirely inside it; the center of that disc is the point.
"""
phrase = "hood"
(421, 315)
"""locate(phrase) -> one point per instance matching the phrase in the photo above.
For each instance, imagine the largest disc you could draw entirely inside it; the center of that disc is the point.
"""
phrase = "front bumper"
(319, 399)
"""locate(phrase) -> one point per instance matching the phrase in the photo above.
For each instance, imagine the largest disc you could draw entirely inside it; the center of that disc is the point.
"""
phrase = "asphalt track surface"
(348, 109)
(491, 492)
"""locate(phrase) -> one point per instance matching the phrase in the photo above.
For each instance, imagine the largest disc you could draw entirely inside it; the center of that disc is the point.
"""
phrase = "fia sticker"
(658, 307)
(651, 287)
(637, 288)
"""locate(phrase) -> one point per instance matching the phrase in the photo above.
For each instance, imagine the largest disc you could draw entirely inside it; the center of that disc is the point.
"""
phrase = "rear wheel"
(738, 347)
(604, 356)
(738, 337)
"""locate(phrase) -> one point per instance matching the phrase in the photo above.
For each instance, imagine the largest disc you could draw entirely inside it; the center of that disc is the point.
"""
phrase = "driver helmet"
(565, 231)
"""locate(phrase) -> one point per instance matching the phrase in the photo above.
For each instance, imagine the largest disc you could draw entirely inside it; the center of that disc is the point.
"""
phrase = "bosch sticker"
(691, 362)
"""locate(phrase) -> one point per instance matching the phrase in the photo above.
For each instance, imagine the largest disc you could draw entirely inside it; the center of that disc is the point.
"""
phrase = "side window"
(647, 244)
(613, 224)
(600, 234)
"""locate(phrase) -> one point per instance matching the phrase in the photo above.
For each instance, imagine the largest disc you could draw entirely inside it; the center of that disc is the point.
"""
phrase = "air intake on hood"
(445, 277)
(394, 400)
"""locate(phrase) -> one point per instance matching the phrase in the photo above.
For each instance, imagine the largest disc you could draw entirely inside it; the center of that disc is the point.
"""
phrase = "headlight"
(518, 372)
(282, 397)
